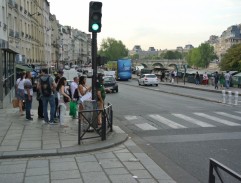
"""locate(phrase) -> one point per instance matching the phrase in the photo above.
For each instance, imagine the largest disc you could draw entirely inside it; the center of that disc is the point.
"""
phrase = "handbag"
(15, 103)
(66, 99)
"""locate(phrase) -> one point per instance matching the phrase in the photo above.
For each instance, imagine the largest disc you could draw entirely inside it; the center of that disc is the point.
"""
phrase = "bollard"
(224, 96)
(236, 98)
(229, 97)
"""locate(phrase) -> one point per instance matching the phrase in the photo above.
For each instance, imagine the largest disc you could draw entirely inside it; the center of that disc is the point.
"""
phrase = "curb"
(113, 139)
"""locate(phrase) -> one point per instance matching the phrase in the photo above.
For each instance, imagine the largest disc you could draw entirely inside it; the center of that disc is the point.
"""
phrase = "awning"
(24, 68)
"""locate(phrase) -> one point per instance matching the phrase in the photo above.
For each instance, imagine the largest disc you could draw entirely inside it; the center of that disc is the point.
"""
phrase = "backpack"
(45, 87)
(76, 94)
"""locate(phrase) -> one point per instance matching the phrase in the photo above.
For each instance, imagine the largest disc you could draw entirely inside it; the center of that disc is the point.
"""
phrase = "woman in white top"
(20, 92)
(61, 94)
(83, 89)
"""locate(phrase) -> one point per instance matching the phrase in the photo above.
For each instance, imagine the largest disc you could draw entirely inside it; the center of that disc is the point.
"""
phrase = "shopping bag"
(15, 103)
(72, 108)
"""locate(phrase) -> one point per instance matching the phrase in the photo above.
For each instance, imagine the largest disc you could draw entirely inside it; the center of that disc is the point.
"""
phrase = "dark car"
(110, 83)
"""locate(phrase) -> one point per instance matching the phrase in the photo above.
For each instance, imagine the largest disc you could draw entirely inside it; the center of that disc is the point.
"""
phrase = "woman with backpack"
(61, 94)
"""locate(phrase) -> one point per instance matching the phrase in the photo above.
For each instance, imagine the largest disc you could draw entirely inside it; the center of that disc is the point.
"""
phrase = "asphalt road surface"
(179, 133)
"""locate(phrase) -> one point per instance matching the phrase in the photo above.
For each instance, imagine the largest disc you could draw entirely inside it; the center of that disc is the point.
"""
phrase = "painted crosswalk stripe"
(192, 120)
(167, 122)
(146, 126)
(228, 115)
(238, 112)
(131, 117)
(218, 120)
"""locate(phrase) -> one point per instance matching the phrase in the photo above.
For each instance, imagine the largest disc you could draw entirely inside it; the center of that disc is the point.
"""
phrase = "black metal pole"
(94, 65)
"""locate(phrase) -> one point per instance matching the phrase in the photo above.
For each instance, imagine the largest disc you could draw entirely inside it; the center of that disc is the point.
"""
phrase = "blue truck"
(124, 71)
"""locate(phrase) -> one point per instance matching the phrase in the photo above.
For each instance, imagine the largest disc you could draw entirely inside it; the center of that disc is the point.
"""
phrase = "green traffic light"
(95, 27)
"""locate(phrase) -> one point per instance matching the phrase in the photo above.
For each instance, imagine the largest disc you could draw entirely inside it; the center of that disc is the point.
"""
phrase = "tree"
(232, 59)
(113, 49)
(201, 56)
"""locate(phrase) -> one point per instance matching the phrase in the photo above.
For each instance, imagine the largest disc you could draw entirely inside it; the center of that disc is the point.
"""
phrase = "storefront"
(7, 73)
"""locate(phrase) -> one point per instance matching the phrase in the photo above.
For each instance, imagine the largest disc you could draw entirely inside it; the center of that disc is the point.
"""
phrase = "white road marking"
(192, 120)
(146, 126)
(131, 117)
(219, 120)
(167, 122)
(229, 115)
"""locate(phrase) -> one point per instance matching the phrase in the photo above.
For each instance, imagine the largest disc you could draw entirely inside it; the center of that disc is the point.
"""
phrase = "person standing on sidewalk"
(61, 94)
(221, 80)
(205, 79)
(197, 78)
(20, 92)
(73, 103)
(216, 79)
(47, 88)
(28, 93)
(227, 77)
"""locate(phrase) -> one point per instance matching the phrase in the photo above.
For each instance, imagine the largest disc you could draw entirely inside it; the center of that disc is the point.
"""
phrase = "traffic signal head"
(95, 16)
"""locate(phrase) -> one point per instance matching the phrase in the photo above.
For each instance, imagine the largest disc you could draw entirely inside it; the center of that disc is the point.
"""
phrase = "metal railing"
(88, 122)
(215, 165)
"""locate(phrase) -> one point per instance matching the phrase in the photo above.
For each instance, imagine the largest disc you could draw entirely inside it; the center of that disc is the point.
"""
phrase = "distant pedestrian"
(205, 79)
(216, 79)
(39, 99)
(28, 93)
(197, 78)
(227, 77)
(221, 80)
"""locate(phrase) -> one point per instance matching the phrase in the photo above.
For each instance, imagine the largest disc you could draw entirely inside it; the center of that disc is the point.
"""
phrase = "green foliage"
(201, 56)
(112, 65)
(172, 55)
(232, 59)
(113, 49)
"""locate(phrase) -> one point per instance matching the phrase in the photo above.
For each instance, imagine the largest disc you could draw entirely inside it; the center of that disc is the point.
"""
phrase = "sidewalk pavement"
(209, 87)
(31, 151)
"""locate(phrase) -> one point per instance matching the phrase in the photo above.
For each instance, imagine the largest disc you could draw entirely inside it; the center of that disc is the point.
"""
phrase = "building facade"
(31, 35)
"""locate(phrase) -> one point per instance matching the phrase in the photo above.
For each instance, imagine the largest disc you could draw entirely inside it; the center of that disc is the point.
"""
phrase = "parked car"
(110, 83)
(148, 79)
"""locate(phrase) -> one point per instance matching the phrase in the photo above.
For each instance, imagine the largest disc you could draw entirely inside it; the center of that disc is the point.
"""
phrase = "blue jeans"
(51, 101)
(197, 81)
(227, 83)
(28, 106)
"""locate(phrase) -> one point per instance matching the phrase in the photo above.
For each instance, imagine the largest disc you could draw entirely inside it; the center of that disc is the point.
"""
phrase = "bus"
(124, 69)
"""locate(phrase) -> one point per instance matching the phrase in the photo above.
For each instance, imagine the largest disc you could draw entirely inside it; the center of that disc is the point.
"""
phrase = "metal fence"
(88, 121)
(215, 165)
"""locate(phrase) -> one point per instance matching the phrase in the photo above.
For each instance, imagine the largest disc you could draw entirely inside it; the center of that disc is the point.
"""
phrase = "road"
(179, 133)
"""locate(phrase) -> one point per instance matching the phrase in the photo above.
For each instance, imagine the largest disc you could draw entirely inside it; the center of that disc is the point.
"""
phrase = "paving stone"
(13, 162)
(66, 174)
(94, 177)
(62, 159)
(8, 148)
(69, 143)
(30, 144)
(18, 168)
(141, 173)
(51, 146)
(116, 171)
(166, 181)
(67, 181)
(38, 164)
(12, 178)
(125, 156)
(85, 158)
(122, 178)
(63, 166)
(133, 165)
(107, 155)
(147, 180)
(110, 163)
(53, 141)
(37, 171)
(37, 179)
(10, 142)
(89, 167)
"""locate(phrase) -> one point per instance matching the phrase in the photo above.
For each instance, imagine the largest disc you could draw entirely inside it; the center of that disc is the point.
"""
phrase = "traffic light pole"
(94, 65)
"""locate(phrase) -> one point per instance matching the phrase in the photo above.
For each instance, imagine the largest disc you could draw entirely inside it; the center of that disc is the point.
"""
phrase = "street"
(179, 133)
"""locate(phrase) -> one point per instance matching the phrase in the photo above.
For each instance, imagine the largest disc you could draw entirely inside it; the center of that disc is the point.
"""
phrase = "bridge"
(164, 63)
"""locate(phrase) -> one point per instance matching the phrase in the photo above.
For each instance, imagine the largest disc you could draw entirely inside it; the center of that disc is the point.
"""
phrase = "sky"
(162, 24)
